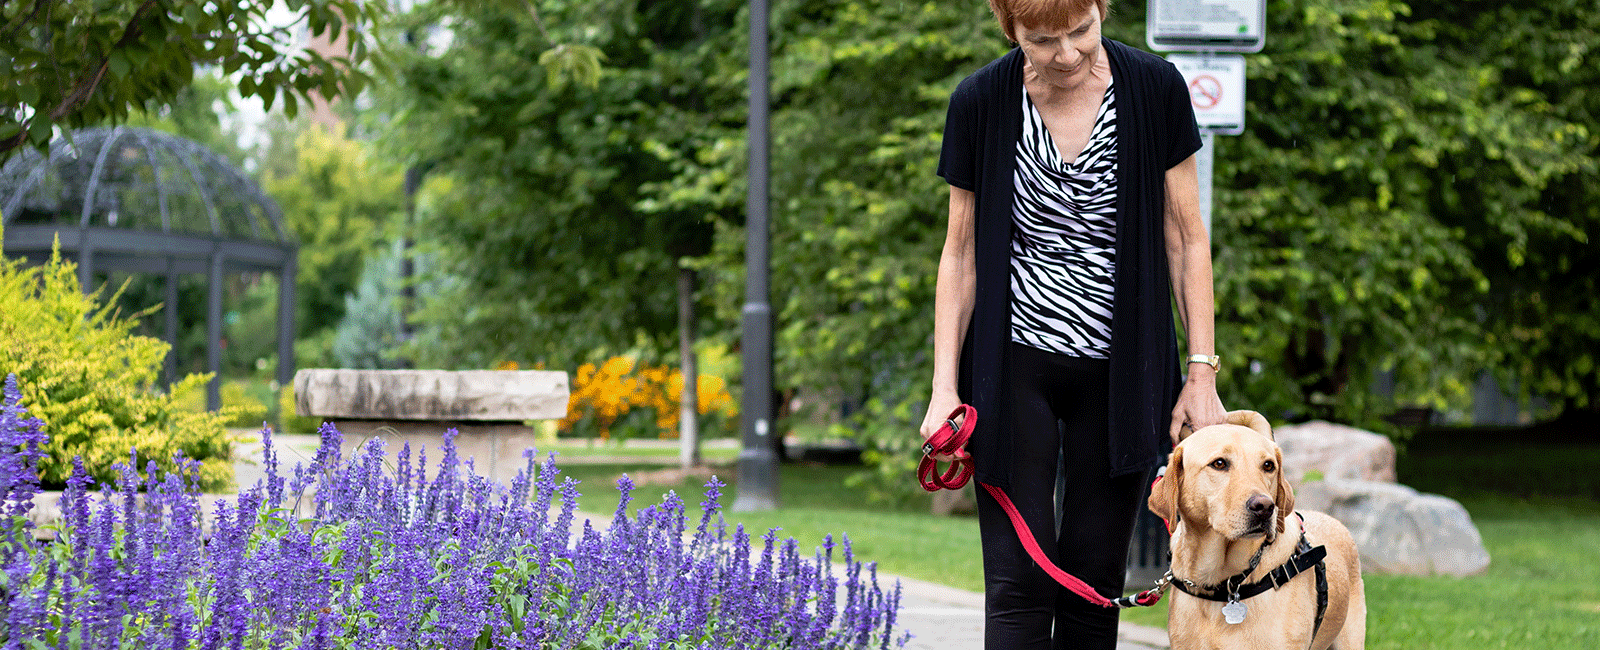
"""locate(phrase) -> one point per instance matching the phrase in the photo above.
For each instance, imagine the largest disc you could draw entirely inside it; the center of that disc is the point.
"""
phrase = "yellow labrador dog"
(1242, 576)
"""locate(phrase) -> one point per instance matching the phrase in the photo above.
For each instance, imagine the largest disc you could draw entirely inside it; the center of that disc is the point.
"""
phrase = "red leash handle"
(953, 437)
(950, 438)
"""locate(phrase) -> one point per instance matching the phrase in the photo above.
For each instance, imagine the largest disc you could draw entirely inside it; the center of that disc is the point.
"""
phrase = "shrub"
(341, 554)
(92, 380)
(289, 419)
(891, 450)
(243, 409)
(614, 397)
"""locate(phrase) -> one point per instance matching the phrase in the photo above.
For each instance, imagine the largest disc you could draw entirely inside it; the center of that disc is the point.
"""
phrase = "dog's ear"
(1285, 496)
(1253, 420)
(1164, 494)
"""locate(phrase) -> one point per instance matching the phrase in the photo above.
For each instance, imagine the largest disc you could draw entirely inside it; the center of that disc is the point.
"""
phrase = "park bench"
(491, 410)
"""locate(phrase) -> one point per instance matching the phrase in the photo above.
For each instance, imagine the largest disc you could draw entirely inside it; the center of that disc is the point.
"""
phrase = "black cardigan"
(1156, 130)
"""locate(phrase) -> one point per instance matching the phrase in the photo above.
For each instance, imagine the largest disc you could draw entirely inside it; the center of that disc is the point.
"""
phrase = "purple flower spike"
(391, 558)
(21, 441)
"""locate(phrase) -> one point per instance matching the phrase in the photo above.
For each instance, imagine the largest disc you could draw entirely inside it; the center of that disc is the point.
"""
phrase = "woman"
(1074, 217)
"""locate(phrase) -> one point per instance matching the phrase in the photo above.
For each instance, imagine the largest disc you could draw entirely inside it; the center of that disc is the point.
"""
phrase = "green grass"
(814, 502)
(1542, 588)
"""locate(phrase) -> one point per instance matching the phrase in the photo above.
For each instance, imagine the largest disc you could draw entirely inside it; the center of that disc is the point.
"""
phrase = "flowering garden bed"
(395, 559)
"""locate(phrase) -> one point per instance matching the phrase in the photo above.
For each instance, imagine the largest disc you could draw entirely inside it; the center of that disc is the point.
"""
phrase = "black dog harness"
(1231, 591)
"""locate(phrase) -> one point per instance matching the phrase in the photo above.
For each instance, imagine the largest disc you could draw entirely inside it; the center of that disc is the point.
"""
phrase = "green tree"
(1542, 311)
(858, 214)
(76, 63)
(1377, 214)
(1412, 196)
(372, 331)
(548, 226)
(341, 201)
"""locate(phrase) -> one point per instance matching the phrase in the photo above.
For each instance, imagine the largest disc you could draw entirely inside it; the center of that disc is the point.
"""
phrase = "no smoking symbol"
(1205, 91)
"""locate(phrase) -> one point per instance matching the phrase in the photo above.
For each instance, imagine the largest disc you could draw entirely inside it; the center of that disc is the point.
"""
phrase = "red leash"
(953, 437)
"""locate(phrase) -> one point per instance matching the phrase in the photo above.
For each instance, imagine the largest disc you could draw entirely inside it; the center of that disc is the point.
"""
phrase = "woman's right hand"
(940, 406)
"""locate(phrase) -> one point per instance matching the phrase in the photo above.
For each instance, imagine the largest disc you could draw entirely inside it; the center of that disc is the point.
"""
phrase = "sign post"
(1201, 30)
(1205, 29)
(1216, 91)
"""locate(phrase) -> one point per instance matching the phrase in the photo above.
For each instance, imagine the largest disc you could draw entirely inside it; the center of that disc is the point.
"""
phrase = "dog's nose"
(1259, 505)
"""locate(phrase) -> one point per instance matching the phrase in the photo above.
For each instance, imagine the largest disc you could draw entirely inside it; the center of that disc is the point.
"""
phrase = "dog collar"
(1305, 557)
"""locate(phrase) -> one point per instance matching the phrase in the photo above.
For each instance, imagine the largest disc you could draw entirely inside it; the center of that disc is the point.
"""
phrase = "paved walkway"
(945, 618)
(938, 617)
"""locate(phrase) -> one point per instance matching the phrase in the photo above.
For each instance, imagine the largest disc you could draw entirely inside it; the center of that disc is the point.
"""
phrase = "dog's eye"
(1220, 464)
(1269, 466)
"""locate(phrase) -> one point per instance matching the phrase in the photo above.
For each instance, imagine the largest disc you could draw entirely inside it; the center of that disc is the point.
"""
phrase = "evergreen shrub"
(94, 382)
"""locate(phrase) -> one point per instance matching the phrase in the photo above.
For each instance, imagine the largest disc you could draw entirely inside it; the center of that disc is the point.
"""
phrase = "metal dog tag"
(1234, 612)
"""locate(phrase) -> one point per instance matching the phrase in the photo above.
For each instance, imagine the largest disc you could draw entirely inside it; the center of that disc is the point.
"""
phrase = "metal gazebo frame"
(143, 201)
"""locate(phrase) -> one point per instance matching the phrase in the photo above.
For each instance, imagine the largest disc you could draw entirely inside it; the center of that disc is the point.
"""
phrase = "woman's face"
(1066, 57)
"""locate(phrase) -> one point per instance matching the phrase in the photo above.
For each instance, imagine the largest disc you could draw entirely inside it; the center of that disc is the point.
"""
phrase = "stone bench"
(489, 409)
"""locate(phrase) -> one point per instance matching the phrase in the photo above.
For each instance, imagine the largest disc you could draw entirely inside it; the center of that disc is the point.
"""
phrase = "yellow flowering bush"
(84, 372)
(616, 395)
(245, 410)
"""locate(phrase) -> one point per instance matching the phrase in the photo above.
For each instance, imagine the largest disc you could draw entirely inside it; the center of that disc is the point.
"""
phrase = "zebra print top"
(1063, 243)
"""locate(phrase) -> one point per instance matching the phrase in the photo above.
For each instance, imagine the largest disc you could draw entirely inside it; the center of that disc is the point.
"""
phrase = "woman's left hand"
(1198, 405)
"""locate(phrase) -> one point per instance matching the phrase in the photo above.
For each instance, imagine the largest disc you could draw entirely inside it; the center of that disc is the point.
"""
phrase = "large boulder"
(1400, 530)
(1335, 451)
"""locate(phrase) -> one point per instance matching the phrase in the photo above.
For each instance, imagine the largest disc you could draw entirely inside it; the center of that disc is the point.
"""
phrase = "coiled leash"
(954, 436)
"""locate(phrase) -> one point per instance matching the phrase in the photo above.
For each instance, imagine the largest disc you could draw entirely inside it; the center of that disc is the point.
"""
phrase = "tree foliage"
(546, 229)
(1380, 212)
(81, 62)
(1411, 198)
(340, 201)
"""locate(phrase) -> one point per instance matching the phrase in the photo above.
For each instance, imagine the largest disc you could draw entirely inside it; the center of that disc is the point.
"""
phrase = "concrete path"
(938, 617)
(946, 618)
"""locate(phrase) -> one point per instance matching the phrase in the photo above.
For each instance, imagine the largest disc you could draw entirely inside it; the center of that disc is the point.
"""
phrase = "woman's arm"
(954, 296)
(1189, 261)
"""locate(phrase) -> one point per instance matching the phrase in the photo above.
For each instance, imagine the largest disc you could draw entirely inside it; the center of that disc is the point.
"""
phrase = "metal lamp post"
(758, 465)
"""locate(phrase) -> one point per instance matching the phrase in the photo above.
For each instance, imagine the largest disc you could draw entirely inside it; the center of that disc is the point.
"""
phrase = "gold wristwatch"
(1208, 359)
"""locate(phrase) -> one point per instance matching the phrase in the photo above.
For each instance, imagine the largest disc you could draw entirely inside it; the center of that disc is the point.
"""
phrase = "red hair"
(1041, 14)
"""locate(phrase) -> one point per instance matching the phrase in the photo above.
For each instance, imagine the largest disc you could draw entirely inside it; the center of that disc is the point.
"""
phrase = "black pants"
(1057, 406)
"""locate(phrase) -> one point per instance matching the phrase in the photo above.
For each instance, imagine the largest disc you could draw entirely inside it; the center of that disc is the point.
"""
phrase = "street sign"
(1216, 90)
(1206, 25)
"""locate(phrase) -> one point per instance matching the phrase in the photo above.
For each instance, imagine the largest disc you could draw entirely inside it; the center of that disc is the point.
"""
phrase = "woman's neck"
(1047, 94)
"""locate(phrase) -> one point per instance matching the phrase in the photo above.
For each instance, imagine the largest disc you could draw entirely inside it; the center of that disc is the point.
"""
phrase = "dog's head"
(1228, 478)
